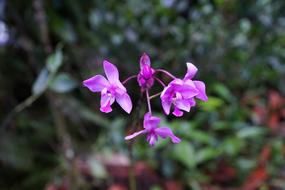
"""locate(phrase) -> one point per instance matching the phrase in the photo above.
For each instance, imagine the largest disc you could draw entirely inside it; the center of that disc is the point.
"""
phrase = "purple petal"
(183, 105)
(202, 90)
(135, 134)
(166, 93)
(166, 105)
(125, 102)
(177, 112)
(150, 121)
(191, 71)
(106, 101)
(111, 72)
(188, 89)
(165, 132)
(144, 60)
(96, 83)
(192, 102)
(151, 138)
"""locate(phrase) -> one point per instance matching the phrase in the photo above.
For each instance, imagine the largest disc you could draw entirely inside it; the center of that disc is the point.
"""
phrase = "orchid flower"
(111, 89)
(201, 87)
(145, 77)
(181, 93)
(178, 92)
(152, 131)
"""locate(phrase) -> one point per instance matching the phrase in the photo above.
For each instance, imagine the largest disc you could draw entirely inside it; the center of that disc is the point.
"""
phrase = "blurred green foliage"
(238, 47)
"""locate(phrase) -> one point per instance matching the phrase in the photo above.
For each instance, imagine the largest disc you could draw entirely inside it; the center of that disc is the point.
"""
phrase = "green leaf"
(62, 83)
(201, 137)
(41, 82)
(232, 145)
(223, 91)
(206, 154)
(54, 61)
(185, 153)
(212, 104)
(249, 132)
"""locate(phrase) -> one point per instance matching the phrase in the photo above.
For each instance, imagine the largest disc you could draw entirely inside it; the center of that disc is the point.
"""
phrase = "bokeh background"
(54, 137)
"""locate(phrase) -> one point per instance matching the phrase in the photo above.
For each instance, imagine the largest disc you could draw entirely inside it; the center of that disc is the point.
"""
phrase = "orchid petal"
(188, 89)
(106, 101)
(152, 138)
(165, 132)
(150, 121)
(96, 83)
(111, 72)
(166, 105)
(177, 112)
(191, 71)
(125, 102)
(144, 60)
(135, 134)
(202, 90)
(183, 105)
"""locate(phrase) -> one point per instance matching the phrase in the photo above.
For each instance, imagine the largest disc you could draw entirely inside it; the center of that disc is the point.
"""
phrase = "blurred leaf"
(232, 145)
(223, 91)
(62, 83)
(185, 153)
(212, 104)
(200, 136)
(97, 169)
(54, 61)
(206, 154)
(41, 82)
(249, 132)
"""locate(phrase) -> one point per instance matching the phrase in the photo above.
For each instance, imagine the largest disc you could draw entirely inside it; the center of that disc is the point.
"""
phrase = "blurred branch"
(133, 126)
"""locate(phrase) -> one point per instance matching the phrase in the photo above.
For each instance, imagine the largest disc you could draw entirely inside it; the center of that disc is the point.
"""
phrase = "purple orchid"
(201, 87)
(111, 89)
(145, 77)
(178, 92)
(153, 131)
(181, 93)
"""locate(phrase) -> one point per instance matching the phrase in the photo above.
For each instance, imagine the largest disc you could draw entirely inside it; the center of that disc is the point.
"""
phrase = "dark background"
(53, 135)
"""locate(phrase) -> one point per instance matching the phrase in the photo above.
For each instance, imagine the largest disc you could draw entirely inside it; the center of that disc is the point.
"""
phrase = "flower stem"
(129, 78)
(148, 101)
(160, 81)
(154, 96)
(166, 72)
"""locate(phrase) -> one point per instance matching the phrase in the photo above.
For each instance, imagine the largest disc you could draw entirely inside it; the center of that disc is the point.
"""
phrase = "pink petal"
(125, 102)
(111, 72)
(96, 83)
(188, 89)
(177, 112)
(165, 132)
(202, 90)
(192, 102)
(135, 134)
(166, 105)
(152, 138)
(150, 121)
(144, 60)
(191, 71)
(106, 101)
(183, 105)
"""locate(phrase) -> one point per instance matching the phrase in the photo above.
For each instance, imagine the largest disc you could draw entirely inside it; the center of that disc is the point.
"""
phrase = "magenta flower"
(191, 72)
(181, 93)
(153, 131)
(145, 77)
(111, 89)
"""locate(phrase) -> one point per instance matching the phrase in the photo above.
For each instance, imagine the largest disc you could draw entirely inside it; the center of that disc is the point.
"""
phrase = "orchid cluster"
(178, 95)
